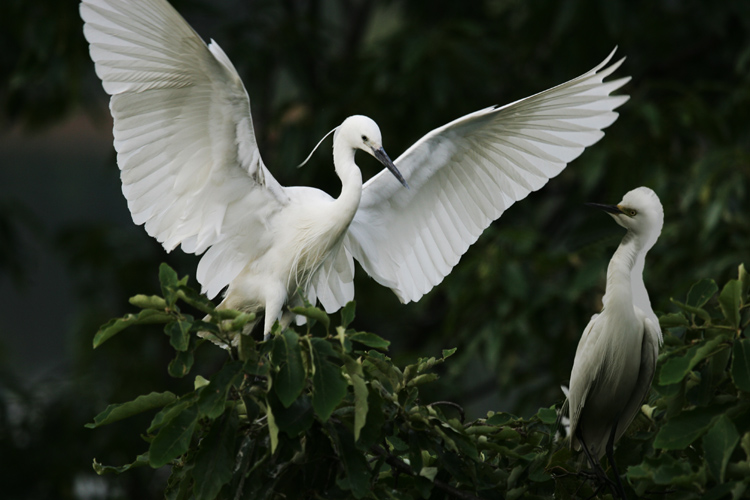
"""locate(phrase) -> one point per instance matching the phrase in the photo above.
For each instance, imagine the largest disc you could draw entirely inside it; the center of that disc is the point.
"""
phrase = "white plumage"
(193, 175)
(616, 356)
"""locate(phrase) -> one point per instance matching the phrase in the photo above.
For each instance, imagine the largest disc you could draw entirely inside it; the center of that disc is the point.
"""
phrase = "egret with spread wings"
(192, 173)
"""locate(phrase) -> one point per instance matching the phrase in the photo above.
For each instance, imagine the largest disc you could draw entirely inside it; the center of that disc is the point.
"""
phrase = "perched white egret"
(616, 356)
(192, 173)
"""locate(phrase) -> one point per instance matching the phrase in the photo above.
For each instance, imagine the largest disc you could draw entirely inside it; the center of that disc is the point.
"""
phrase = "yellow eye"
(631, 212)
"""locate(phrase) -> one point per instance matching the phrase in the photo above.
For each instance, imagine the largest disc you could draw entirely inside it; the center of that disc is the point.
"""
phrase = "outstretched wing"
(190, 166)
(467, 173)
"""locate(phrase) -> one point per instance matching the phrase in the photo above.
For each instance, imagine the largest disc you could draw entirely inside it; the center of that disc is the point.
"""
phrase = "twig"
(402, 466)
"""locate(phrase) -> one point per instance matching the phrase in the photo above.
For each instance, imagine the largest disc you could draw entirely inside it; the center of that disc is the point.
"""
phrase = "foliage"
(326, 414)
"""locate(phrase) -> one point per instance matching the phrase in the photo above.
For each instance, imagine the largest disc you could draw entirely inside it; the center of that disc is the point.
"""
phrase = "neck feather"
(625, 272)
(350, 175)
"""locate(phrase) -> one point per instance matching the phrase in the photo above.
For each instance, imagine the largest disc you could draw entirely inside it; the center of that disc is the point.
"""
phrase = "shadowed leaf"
(115, 326)
(116, 412)
(701, 292)
(741, 364)
(140, 461)
(290, 379)
(329, 386)
(174, 438)
(730, 299)
(718, 444)
(214, 462)
(212, 399)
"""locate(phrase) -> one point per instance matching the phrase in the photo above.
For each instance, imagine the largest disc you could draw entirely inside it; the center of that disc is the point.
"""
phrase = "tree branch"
(402, 466)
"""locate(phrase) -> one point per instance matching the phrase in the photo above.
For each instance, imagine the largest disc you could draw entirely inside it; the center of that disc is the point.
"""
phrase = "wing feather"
(186, 148)
(465, 174)
(649, 353)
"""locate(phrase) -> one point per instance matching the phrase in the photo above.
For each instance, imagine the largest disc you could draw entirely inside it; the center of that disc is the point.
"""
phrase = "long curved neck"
(351, 178)
(625, 272)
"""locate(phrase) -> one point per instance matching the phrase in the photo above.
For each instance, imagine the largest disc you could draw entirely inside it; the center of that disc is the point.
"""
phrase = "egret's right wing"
(189, 162)
(465, 174)
(649, 353)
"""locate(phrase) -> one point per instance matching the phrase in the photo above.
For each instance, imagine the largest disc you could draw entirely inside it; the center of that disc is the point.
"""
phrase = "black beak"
(383, 158)
(612, 209)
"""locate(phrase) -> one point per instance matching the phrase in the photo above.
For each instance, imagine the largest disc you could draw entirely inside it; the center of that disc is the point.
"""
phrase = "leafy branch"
(327, 414)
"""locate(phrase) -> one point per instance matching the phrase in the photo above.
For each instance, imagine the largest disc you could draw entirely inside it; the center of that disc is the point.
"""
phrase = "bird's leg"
(275, 299)
(619, 491)
(595, 465)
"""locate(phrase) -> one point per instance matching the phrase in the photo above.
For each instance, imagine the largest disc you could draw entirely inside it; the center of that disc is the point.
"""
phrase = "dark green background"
(516, 303)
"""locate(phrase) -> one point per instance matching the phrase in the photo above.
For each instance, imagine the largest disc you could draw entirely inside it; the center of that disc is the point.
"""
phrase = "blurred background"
(515, 305)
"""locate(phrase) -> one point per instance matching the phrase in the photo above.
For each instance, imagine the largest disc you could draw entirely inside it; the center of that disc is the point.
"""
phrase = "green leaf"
(115, 326)
(730, 300)
(116, 412)
(415, 451)
(701, 313)
(347, 313)
(422, 379)
(148, 302)
(686, 427)
(174, 438)
(290, 379)
(547, 415)
(213, 397)
(200, 302)
(311, 312)
(169, 283)
(741, 364)
(701, 292)
(673, 320)
(357, 472)
(744, 279)
(370, 340)
(214, 462)
(240, 321)
(329, 385)
(170, 411)
(675, 369)
(179, 334)
(449, 352)
(100, 469)
(663, 469)
(718, 444)
(247, 349)
(373, 431)
(354, 369)
(295, 419)
(273, 429)
(181, 364)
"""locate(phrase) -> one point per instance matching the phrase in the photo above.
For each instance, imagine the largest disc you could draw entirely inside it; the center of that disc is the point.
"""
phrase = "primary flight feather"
(192, 173)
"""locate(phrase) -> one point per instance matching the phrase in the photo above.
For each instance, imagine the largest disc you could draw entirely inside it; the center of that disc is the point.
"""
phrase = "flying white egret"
(616, 356)
(192, 173)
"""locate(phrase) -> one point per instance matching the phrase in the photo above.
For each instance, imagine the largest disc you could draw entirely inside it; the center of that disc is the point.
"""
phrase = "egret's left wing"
(467, 173)
(583, 376)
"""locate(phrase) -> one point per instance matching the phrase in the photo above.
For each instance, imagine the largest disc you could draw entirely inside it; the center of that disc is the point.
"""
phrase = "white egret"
(616, 356)
(192, 173)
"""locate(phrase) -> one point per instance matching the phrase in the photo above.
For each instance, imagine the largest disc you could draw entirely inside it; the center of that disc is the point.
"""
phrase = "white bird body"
(193, 175)
(616, 356)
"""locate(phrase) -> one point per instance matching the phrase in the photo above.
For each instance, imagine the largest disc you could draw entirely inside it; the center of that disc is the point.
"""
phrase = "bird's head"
(361, 132)
(640, 212)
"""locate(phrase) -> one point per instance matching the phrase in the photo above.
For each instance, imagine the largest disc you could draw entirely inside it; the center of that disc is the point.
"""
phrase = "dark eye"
(364, 138)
